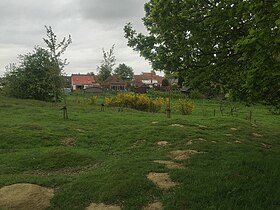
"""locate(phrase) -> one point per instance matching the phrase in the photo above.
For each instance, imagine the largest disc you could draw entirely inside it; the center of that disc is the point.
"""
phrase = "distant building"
(147, 79)
(113, 83)
(82, 81)
(97, 88)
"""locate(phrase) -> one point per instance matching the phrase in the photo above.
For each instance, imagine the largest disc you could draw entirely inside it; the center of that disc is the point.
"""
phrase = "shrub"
(135, 101)
(175, 94)
(79, 99)
(196, 94)
(92, 100)
(142, 102)
(156, 104)
(165, 82)
(184, 106)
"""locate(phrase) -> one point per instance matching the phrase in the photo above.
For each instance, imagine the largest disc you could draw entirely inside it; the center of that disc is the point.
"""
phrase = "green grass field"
(105, 157)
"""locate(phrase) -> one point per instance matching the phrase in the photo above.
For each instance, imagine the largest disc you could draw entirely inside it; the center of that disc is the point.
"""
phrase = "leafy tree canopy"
(35, 77)
(217, 46)
(165, 82)
(124, 72)
(91, 73)
(38, 75)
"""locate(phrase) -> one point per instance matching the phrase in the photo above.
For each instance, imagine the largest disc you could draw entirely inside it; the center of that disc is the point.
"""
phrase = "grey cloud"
(111, 10)
(93, 25)
(14, 10)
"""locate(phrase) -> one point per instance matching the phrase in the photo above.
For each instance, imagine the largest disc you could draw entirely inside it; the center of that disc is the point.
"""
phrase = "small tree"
(38, 75)
(124, 72)
(35, 77)
(106, 67)
(56, 50)
(165, 82)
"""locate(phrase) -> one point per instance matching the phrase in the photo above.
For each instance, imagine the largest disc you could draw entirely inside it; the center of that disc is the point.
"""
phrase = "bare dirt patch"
(177, 125)
(182, 154)
(154, 206)
(25, 196)
(170, 164)
(189, 142)
(80, 130)
(257, 135)
(102, 206)
(68, 141)
(254, 125)
(266, 146)
(162, 143)
(202, 126)
(162, 180)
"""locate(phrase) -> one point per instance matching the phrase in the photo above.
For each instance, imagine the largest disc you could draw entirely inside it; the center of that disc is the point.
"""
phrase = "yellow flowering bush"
(142, 102)
(135, 101)
(156, 104)
(184, 106)
(92, 100)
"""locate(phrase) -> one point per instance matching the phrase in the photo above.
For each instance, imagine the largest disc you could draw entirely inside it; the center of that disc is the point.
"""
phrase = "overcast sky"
(93, 25)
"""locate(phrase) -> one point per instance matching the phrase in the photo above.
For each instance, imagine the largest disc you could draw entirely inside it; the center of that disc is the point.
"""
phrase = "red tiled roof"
(77, 79)
(146, 76)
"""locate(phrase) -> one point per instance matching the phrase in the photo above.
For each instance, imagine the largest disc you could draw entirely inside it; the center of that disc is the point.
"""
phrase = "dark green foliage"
(218, 46)
(196, 94)
(39, 74)
(124, 72)
(165, 82)
(103, 73)
(174, 94)
(37, 77)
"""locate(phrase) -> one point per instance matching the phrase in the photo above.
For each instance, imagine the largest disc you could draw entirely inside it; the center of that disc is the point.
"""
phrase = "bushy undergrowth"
(184, 106)
(196, 94)
(92, 100)
(135, 101)
(174, 94)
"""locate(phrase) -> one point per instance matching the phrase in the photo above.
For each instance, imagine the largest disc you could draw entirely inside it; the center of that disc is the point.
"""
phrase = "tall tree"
(107, 64)
(56, 50)
(213, 44)
(124, 72)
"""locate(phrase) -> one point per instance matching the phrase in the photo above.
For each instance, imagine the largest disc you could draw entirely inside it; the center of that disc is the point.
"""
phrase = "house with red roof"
(114, 83)
(149, 79)
(82, 81)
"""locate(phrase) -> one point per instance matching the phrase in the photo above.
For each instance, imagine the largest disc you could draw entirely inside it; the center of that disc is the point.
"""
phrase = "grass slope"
(105, 156)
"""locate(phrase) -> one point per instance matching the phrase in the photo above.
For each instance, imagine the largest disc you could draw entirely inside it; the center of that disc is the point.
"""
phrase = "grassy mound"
(105, 156)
